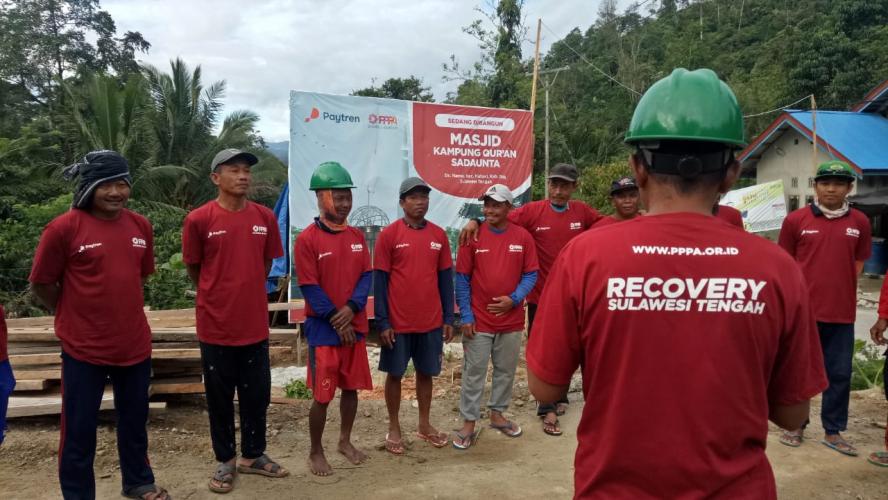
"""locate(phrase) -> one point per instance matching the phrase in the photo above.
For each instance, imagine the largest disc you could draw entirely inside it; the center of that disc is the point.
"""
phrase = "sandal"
(509, 428)
(792, 438)
(841, 446)
(879, 458)
(142, 492)
(551, 428)
(258, 467)
(224, 475)
(561, 409)
(394, 447)
(438, 440)
(462, 442)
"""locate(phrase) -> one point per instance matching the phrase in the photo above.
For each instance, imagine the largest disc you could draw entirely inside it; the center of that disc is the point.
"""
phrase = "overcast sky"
(265, 48)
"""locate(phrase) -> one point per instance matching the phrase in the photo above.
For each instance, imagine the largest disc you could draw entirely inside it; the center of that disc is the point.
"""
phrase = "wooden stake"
(814, 130)
(536, 68)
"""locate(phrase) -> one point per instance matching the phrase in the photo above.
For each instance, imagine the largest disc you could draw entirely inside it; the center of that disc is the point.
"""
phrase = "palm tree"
(107, 113)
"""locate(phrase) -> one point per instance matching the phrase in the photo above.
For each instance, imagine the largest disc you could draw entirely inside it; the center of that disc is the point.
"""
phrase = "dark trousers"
(83, 385)
(542, 408)
(247, 369)
(837, 342)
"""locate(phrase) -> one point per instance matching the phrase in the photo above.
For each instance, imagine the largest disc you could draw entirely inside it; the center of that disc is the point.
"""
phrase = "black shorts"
(425, 349)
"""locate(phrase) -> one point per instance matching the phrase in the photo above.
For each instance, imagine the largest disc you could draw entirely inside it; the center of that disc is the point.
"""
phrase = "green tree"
(408, 89)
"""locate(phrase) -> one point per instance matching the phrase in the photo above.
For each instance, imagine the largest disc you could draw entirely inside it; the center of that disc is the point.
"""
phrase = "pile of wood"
(34, 352)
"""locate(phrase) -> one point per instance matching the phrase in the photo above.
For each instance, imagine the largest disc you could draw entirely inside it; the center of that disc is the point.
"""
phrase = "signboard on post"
(458, 150)
(763, 206)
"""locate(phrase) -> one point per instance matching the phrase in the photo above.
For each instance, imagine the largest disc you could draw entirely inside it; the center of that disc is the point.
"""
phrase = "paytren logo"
(333, 117)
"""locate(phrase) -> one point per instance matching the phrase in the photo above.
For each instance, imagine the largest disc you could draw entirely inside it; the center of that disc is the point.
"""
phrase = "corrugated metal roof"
(859, 138)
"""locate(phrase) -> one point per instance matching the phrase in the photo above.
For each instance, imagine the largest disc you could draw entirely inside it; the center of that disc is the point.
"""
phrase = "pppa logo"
(576, 225)
(357, 247)
(261, 230)
(516, 248)
(375, 119)
(436, 245)
(852, 232)
(139, 243)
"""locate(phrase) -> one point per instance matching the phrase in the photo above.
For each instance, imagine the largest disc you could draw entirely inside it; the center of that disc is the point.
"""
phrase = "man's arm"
(193, 273)
(48, 294)
(544, 391)
(790, 417)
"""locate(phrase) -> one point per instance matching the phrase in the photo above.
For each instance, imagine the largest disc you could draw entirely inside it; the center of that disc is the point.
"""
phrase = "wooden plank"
(35, 359)
(188, 388)
(51, 374)
(23, 385)
(27, 406)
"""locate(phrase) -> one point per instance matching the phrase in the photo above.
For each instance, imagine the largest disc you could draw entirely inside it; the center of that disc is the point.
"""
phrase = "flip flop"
(258, 467)
(466, 442)
(552, 428)
(394, 447)
(141, 491)
(879, 458)
(849, 450)
(561, 409)
(791, 439)
(438, 440)
(508, 429)
(224, 475)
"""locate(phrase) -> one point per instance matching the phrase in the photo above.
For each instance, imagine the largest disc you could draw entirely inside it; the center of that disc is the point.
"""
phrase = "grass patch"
(297, 389)
(868, 365)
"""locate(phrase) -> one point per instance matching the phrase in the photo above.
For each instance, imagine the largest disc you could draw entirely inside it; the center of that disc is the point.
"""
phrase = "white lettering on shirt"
(261, 230)
(809, 231)
(402, 245)
(542, 228)
(854, 233)
(481, 250)
(139, 243)
(216, 233)
(516, 248)
(685, 251)
(436, 246)
(576, 225)
(325, 254)
(734, 295)
(86, 247)
(357, 247)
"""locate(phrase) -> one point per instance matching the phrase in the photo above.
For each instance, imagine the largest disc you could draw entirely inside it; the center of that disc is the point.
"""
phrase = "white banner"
(763, 206)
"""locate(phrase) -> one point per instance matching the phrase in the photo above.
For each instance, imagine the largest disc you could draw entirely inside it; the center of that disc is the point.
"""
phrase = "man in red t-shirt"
(551, 223)
(333, 271)
(413, 307)
(877, 333)
(625, 199)
(707, 325)
(89, 269)
(728, 214)
(7, 380)
(830, 241)
(493, 276)
(227, 246)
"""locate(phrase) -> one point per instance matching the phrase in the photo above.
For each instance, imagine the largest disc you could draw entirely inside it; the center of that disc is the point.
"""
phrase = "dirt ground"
(532, 466)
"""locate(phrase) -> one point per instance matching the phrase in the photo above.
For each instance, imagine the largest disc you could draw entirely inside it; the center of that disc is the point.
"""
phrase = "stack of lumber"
(34, 352)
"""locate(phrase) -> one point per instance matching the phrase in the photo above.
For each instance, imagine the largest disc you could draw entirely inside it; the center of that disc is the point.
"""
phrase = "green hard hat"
(835, 168)
(330, 175)
(688, 106)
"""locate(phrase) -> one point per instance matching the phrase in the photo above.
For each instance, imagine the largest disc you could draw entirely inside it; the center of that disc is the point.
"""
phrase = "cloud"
(270, 47)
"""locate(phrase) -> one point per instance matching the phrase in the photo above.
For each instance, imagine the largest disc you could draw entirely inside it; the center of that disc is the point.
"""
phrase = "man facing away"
(708, 327)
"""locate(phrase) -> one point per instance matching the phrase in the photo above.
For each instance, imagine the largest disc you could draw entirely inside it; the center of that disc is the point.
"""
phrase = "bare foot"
(354, 455)
(318, 464)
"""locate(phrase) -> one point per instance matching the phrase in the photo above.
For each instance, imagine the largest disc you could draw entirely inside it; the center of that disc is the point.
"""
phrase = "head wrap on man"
(96, 168)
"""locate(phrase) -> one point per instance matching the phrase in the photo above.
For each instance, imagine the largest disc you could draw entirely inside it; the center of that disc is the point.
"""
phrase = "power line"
(581, 56)
(781, 108)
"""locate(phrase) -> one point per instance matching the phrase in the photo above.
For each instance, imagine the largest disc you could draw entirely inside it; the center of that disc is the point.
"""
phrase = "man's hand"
(500, 305)
(469, 232)
(346, 335)
(467, 330)
(342, 317)
(877, 332)
(387, 338)
(448, 333)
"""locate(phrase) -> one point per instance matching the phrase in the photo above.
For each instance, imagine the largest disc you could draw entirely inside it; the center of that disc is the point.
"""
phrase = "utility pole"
(548, 84)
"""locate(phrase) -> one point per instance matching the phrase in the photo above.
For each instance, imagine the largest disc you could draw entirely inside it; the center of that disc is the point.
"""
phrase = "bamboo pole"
(814, 130)
(536, 68)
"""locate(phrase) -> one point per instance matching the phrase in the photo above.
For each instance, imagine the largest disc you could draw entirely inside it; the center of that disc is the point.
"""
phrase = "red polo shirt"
(231, 249)
(701, 330)
(100, 265)
(827, 251)
(551, 230)
(495, 263)
(413, 257)
(730, 215)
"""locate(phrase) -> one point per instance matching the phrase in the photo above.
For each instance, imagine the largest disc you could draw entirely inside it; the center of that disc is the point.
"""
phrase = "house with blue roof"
(858, 136)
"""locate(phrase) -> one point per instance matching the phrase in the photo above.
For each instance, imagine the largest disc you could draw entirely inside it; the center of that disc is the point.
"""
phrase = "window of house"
(795, 182)
(809, 200)
(793, 203)
(810, 182)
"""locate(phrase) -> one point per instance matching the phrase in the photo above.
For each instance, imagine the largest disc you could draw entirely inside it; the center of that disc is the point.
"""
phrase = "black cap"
(623, 183)
(564, 171)
(226, 155)
(412, 183)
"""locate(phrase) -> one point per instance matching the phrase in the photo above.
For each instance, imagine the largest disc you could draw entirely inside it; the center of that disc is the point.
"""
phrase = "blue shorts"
(425, 349)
